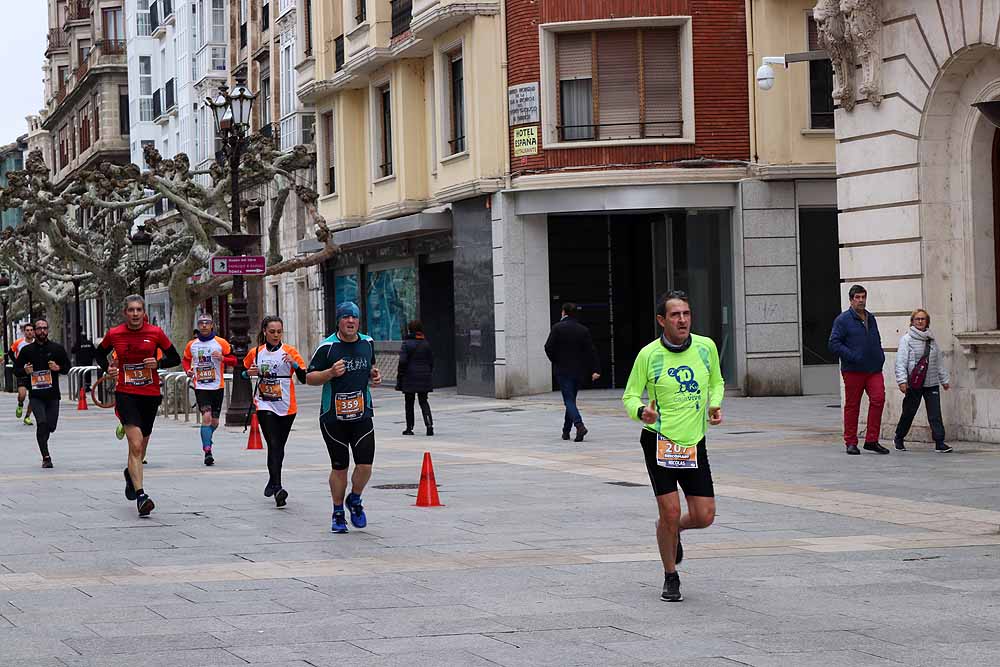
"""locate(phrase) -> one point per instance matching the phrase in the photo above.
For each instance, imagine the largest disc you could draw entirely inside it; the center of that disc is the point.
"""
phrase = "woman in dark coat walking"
(416, 366)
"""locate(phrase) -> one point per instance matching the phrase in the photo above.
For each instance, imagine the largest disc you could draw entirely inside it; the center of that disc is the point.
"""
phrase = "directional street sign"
(243, 265)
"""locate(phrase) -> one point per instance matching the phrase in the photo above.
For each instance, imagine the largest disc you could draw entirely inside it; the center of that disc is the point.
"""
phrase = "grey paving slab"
(312, 653)
(171, 658)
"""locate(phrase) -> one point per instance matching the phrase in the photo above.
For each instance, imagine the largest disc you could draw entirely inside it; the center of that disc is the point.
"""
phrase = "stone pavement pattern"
(543, 555)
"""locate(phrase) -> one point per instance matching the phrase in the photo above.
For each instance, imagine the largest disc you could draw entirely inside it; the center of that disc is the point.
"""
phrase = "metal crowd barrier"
(178, 399)
(82, 376)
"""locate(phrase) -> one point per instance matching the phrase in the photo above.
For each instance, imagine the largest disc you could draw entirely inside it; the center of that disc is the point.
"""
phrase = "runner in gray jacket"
(911, 349)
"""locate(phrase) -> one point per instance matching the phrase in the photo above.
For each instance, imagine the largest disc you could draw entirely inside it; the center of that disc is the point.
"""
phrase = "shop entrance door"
(614, 267)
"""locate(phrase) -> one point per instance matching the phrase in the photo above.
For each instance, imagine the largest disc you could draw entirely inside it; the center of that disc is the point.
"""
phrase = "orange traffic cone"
(254, 442)
(427, 495)
(81, 403)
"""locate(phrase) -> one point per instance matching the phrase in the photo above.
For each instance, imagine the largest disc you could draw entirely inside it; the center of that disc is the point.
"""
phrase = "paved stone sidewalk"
(543, 555)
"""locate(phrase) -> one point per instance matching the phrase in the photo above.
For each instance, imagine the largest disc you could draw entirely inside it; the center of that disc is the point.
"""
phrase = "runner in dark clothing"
(137, 392)
(42, 361)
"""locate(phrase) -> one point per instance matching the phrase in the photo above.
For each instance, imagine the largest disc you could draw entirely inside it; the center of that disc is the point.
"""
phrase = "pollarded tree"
(84, 226)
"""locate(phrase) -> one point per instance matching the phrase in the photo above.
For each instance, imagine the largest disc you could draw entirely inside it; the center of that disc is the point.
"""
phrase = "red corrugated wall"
(722, 121)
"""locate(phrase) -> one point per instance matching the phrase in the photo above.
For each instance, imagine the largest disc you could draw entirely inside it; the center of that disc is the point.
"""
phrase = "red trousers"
(855, 384)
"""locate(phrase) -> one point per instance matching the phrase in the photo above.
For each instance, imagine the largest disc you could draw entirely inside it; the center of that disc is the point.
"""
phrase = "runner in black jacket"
(43, 361)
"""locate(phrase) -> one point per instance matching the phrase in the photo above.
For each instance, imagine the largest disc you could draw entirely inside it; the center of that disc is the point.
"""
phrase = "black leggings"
(425, 409)
(46, 411)
(275, 429)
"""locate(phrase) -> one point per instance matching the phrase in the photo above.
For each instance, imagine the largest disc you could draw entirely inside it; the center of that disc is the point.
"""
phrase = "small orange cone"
(427, 495)
(254, 442)
(81, 404)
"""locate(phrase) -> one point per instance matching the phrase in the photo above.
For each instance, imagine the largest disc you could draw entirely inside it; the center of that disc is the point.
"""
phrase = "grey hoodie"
(911, 348)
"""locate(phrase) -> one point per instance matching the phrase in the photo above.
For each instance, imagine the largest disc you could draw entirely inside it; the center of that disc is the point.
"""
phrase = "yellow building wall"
(423, 175)
(780, 116)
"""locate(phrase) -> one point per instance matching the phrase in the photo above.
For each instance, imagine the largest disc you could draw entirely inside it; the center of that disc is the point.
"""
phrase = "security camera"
(765, 73)
(765, 77)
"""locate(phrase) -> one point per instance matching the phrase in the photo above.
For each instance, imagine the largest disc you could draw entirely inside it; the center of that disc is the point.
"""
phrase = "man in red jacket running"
(137, 393)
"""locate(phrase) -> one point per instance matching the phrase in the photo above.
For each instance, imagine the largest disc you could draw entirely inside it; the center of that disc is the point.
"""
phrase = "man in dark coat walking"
(414, 377)
(572, 353)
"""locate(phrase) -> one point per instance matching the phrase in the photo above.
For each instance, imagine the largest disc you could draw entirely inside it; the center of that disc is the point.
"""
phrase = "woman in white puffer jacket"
(912, 347)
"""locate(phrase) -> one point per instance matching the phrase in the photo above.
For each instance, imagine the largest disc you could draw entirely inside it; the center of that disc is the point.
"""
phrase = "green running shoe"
(28, 422)
(120, 431)
(19, 411)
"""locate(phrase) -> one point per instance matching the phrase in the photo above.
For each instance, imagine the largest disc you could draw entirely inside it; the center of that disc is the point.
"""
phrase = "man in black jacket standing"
(42, 362)
(572, 353)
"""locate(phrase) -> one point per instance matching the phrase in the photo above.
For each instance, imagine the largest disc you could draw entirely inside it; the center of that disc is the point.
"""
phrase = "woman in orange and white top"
(273, 363)
(205, 358)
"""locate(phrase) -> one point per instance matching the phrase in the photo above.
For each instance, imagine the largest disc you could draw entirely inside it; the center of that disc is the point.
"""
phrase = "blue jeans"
(569, 386)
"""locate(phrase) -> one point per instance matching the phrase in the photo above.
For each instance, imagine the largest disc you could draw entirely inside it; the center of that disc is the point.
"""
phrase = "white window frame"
(145, 99)
(547, 33)
(375, 124)
(442, 82)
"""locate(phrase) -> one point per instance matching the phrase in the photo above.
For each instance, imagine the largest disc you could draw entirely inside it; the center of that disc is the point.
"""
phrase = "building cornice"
(785, 172)
(619, 177)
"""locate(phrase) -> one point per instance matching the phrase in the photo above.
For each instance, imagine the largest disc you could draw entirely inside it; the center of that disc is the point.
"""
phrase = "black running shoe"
(47, 462)
(280, 497)
(671, 588)
(209, 459)
(680, 551)
(129, 489)
(898, 443)
(942, 448)
(408, 431)
(145, 504)
(269, 490)
(853, 450)
(565, 435)
(875, 447)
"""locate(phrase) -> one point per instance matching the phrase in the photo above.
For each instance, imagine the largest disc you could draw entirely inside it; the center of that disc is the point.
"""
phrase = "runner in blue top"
(344, 364)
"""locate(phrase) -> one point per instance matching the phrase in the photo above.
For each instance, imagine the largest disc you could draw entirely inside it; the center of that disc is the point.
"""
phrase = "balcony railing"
(154, 17)
(109, 47)
(58, 40)
(78, 10)
(166, 9)
(402, 12)
(338, 51)
(168, 96)
(157, 104)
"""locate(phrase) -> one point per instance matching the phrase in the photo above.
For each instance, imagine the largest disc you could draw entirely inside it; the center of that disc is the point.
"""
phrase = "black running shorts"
(356, 436)
(135, 410)
(24, 381)
(210, 399)
(696, 482)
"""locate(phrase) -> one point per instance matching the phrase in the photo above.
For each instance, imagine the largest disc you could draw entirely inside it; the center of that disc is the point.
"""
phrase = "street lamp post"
(8, 375)
(75, 269)
(231, 109)
(141, 244)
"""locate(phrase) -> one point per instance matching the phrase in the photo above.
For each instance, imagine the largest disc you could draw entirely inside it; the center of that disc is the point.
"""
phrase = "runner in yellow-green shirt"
(679, 372)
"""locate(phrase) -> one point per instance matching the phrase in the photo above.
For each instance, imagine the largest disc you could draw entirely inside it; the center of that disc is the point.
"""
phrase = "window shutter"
(813, 35)
(574, 56)
(618, 84)
(662, 69)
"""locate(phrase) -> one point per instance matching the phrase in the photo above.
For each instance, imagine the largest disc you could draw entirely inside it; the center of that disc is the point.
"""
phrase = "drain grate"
(501, 410)
(742, 432)
(624, 484)
(397, 486)
(833, 406)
